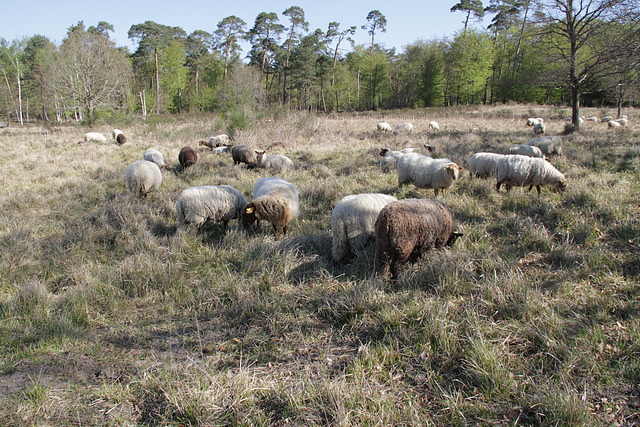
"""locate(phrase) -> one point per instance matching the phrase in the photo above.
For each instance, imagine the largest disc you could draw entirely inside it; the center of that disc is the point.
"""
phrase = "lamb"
(384, 127)
(539, 128)
(143, 177)
(274, 200)
(94, 137)
(483, 165)
(154, 156)
(215, 141)
(425, 172)
(243, 154)
(277, 161)
(523, 170)
(119, 137)
(353, 222)
(404, 128)
(549, 145)
(407, 228)
(214, 203)
(187, 157)
(526, 150)
(434, 125)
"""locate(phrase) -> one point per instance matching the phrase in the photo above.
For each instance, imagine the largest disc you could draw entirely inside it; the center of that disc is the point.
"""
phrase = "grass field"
(109, 316)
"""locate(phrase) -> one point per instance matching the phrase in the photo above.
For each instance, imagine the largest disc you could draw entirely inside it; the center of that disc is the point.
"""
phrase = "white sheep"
(434, 125)
(143, 177)
(94, 137)
(215, 141)
(522, 171)
(526, 150)
(215, 203)
(277, 161)
(274, 200)
(384, 127)
(483, 165)
(531, 121)
(592, 119)
(613, 124)
(154, 156)
(404, 128)
(425, 172)
(119, 136)
(622, 120)
(606, 119)
(353, 222)
(549, 145)
(220, 150)
(539, 128)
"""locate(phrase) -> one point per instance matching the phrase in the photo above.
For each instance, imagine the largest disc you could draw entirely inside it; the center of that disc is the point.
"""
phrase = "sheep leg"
(275, 232)
(538, 188)
(498, 184)
(284, 230)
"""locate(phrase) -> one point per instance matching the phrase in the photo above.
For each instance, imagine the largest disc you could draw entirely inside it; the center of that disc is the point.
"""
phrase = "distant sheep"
(434, 125)
(215, 141)
(154, 156)
(187, 157)
(606, 119)
(614, 124)
(143, 177)
(276, 161)
(274, 200)
(483, 165)
(425, 172)
(622, 120)
(522, 171)
(405, 229)
(119, 136)
(94, 137)
(592, 119)
(539, 128)
(214, 203)
(532, 121)
(221, 150)
(403, 128)
(384, 127)
(353, 222)
(526, 150)
(549, 145)
(243, 154)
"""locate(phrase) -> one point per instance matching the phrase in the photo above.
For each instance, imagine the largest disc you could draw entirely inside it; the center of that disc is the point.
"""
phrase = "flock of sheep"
(403, 229)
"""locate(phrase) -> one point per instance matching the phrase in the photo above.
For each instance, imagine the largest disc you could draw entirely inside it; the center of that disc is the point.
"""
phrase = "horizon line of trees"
(573, 52)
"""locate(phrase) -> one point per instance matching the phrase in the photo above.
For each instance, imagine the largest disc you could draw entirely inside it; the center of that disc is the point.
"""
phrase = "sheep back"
(215, 203)
(521, 171)
(426, 172)
(154, 156)
(405, 229)
(187, 157)
(143, 177)
(483, 165)
(526, 150)
(549, 145)
(243, 154)
(94, 137)
(353, 222)
(404, 128)
(384, 127)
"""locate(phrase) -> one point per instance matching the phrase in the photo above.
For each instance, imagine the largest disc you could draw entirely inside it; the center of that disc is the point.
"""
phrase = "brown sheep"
(243, 154)
(187, 157)
(407, 228)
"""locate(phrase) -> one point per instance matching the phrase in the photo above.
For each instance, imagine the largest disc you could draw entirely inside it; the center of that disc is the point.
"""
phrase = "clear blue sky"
(407, 21)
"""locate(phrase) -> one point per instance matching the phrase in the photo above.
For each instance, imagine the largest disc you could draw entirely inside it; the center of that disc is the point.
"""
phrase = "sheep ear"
(249, 209)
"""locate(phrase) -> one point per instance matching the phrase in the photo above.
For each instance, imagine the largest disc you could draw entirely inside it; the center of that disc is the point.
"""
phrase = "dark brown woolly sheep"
(119, 137)
(243, 154)
(407, 228)
(187, 157)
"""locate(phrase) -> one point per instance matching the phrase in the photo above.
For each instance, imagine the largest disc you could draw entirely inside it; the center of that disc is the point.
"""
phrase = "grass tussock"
(109, 315)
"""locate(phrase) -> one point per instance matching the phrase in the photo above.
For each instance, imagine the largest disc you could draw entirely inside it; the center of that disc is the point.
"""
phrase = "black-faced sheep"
(522, 171)
(406, 229)
(243, 154)
(549, 145)
(154, 156)
(425, 172)
(187, 157)
(214, 203)
(274, 200)
(277, 161)
(215, 141)
(483, 165)
(353, 222)
(143, 177)
(119, 136)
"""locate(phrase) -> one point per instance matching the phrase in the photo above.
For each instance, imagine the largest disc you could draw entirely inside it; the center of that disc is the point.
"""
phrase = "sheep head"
(249, 216)
(452, 170)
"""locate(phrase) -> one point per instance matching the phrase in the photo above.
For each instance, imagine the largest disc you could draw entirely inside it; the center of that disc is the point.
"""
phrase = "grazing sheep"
(221, 150)
(434, 125)
(532, 121)
(539, 128)
(274, 200)
(154, 156)
(404, 128)
(215, 141)
(516, 170)
(243, 154)
(143, 177)
(425, 172)
(187, 157)
(353, 222)
(592, 119)
(94, 137)
(277, 161)
(483, 165)
(622, 120)
(215, 203)
(526, 150)
(549, 145)
(405, 229)
(614, 124)
(606, 119)
(384, 127)
(119, 137)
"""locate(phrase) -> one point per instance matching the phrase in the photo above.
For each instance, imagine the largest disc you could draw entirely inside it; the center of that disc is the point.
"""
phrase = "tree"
(230, 29)
(38, 60)
(263, 38)
(581, 36)
(298, 24)
(375, 21)
(11, 64)
(470, 7)
(334, 33)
